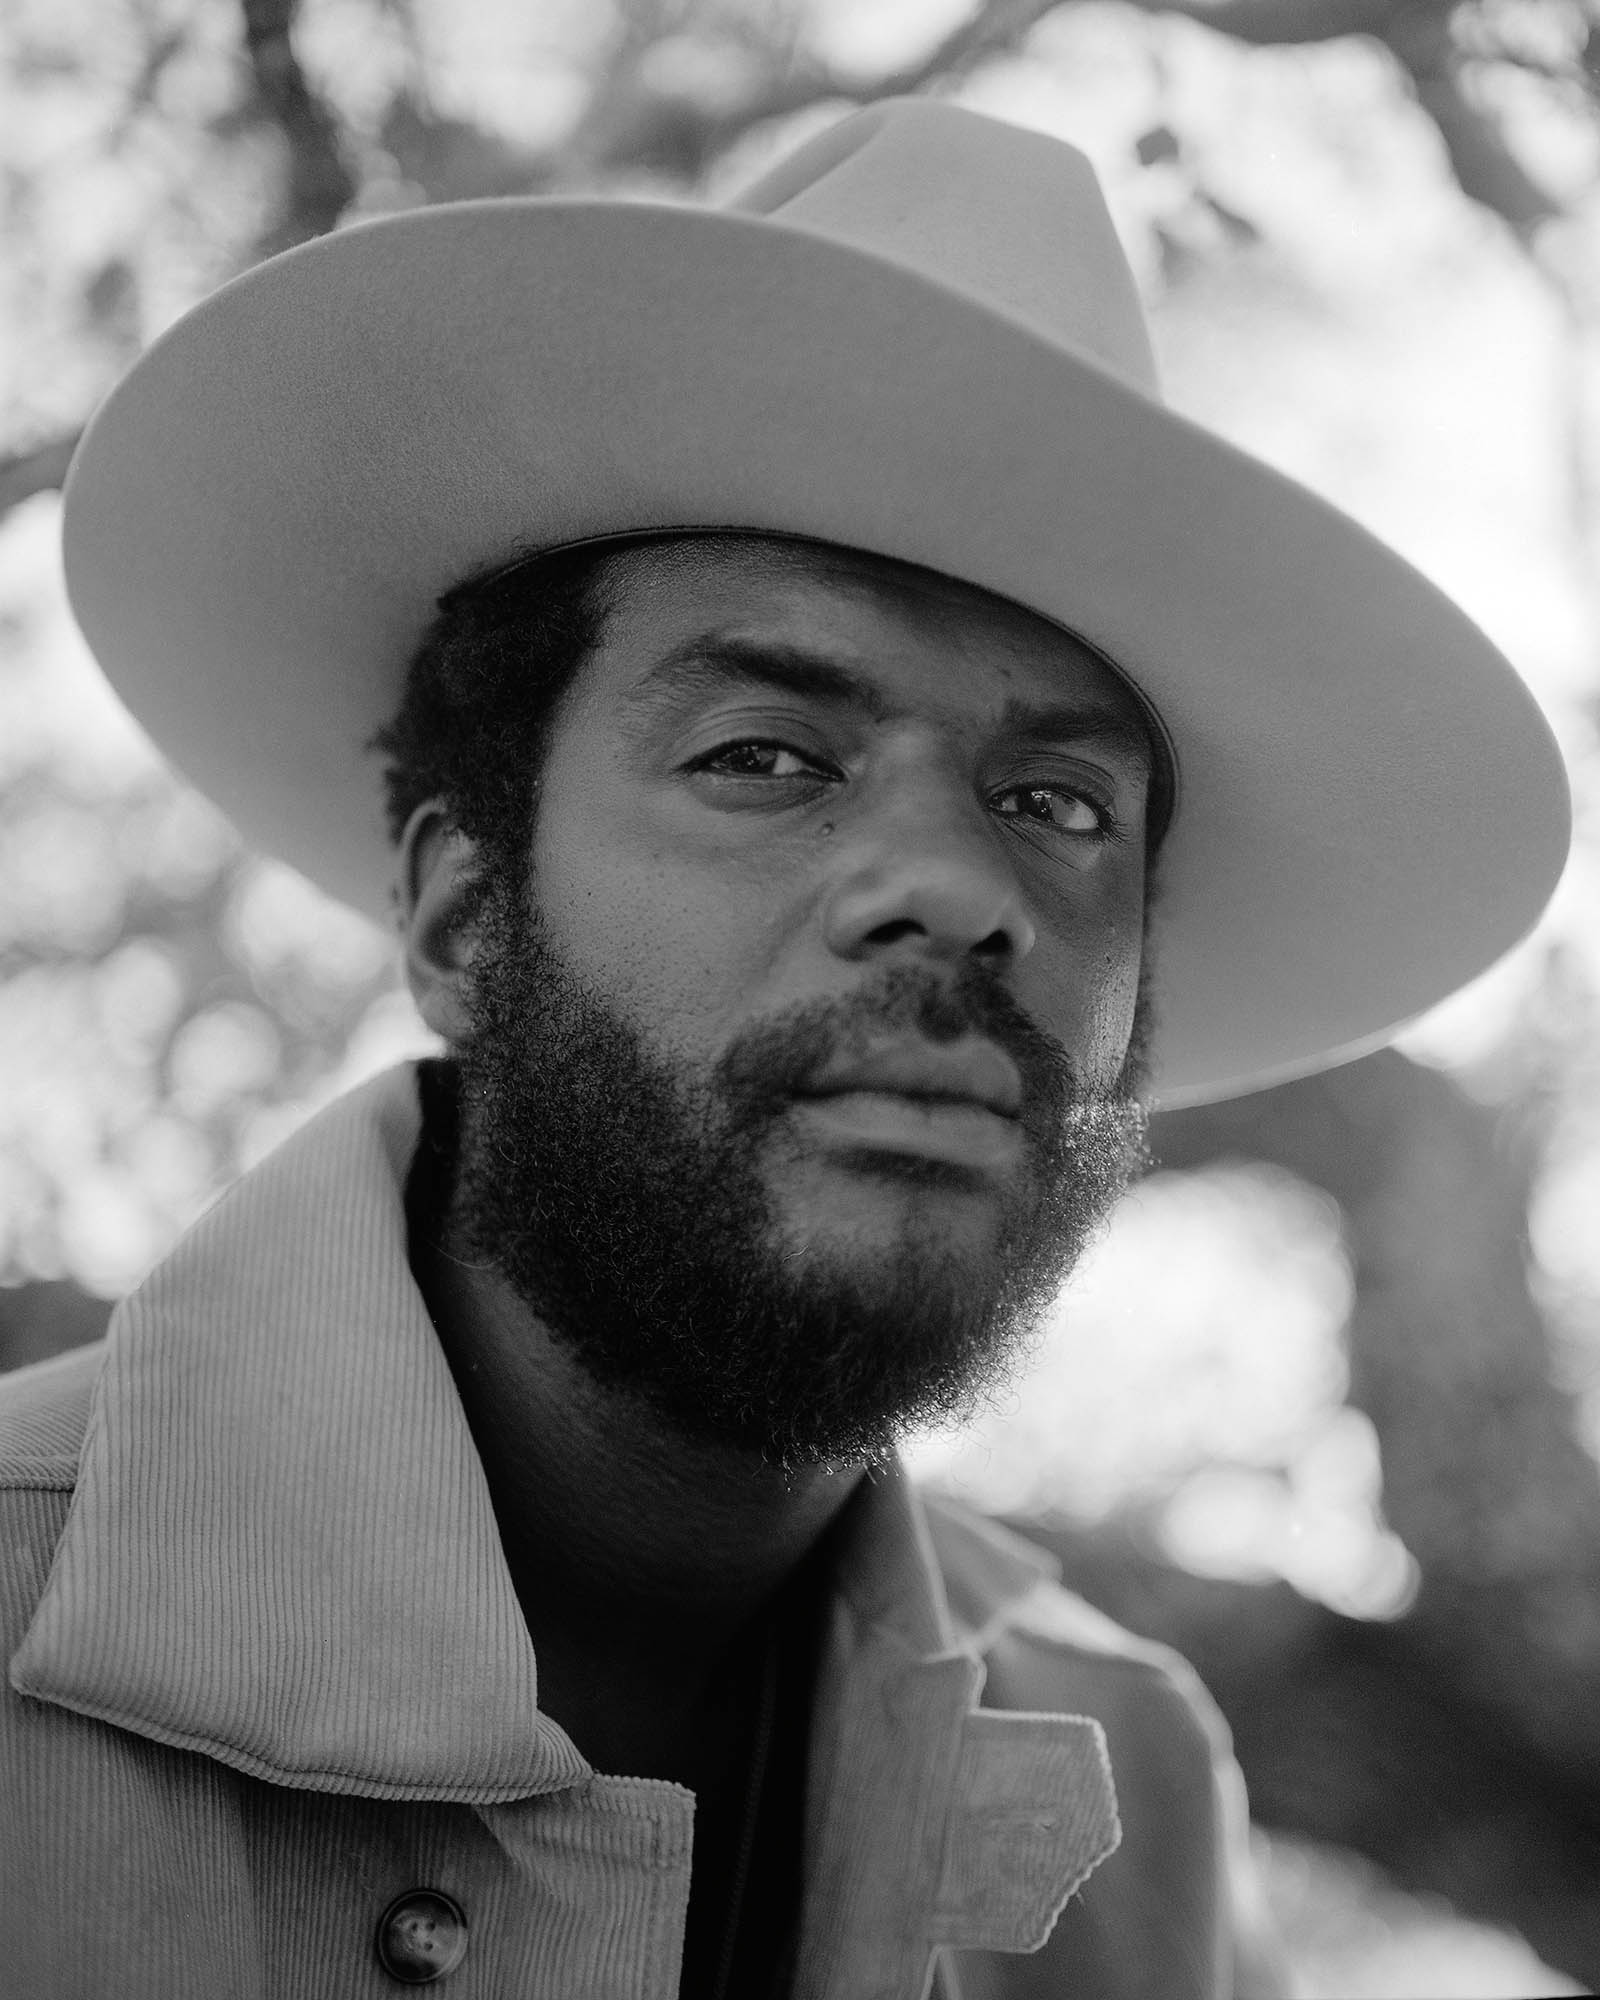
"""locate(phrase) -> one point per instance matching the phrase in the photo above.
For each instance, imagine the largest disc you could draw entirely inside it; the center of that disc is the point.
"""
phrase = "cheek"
(1113, 1012)
(677, 946)
(1084, 990)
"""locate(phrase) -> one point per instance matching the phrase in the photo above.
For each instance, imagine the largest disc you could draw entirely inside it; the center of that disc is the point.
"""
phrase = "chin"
(879, 1202)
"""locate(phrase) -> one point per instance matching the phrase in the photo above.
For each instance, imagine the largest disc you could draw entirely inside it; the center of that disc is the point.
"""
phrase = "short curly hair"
(473, 726)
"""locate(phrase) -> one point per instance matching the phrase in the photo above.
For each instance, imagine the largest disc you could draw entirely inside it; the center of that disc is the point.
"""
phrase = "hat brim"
(259, 519)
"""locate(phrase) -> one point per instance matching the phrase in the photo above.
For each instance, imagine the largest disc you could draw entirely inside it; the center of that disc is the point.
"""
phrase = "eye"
(759, 757)
(1058, 808)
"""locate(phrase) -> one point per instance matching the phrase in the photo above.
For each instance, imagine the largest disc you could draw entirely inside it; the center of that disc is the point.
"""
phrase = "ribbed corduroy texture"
(285, 1350)
(269, 1673)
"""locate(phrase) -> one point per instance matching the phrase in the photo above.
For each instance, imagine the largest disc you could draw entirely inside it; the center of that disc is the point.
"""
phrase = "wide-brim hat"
(917, 336)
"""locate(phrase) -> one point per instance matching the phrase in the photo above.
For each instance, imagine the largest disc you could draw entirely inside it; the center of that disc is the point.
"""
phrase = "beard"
(629, 1201)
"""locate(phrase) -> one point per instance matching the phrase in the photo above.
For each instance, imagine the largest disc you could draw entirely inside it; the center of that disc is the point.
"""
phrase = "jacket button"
(422, 1936)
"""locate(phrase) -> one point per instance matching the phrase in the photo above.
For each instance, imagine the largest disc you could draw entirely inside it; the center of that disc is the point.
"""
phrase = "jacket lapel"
(933, 1822)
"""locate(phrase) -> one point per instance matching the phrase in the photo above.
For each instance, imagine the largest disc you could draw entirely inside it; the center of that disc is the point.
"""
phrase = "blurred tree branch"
(163, 50)
(1422, 42)
(636, 119)
(1418, 34)
(1486, 1478)
(40, 469)
(319, 183)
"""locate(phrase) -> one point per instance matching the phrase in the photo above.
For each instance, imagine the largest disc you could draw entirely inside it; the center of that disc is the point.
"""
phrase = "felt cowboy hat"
(916, 336)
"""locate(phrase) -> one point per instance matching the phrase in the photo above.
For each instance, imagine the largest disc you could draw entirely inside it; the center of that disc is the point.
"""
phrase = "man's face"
(797, 1072)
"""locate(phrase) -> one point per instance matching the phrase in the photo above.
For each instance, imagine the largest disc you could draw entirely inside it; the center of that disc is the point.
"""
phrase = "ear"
(435, 865)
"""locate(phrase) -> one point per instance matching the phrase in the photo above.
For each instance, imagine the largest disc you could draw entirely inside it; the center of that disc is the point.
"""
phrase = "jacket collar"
(281, 1550)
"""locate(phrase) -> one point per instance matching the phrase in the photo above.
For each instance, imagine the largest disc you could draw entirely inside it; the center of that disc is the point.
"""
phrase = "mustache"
(777, 1059)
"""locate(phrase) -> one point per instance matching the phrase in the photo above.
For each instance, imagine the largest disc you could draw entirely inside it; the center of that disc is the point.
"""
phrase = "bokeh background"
(1323, 1408)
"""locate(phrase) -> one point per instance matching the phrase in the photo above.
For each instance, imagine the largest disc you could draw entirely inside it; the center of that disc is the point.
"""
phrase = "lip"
(954, 1130)
(963, 1074)
(959, 1105)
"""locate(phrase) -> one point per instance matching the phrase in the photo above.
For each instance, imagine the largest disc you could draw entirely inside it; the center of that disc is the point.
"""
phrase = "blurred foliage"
(1324, 1409)
(168, 1003)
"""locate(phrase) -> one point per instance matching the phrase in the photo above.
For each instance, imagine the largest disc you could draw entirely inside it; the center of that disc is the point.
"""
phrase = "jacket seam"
(310, 1779)
(47, 1479)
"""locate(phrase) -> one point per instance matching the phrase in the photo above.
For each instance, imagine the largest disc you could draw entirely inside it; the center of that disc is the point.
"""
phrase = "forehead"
(914, 640)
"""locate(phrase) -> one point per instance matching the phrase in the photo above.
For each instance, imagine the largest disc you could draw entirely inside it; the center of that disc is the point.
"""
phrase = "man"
(479, 1555)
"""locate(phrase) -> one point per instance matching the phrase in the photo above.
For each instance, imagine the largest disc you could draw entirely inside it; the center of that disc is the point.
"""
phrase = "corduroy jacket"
(268, 1674)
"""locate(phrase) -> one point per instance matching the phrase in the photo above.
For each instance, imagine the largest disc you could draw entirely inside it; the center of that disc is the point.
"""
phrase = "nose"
(925, 876)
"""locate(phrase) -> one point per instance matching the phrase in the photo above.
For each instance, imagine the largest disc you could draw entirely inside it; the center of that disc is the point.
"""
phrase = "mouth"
(968, 1072)
(959, 1105)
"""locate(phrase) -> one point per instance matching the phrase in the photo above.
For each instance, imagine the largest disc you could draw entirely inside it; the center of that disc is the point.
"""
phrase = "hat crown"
(1011, 217)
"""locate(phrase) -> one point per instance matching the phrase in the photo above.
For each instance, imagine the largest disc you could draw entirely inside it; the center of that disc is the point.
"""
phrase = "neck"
(617, 1532)
(593, 1491)
(643, 1561)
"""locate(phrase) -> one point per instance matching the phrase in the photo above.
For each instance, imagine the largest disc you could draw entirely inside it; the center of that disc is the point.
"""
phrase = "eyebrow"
(717, 662)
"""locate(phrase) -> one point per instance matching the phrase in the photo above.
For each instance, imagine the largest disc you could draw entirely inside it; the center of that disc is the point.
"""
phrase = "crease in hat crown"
(897, 180)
